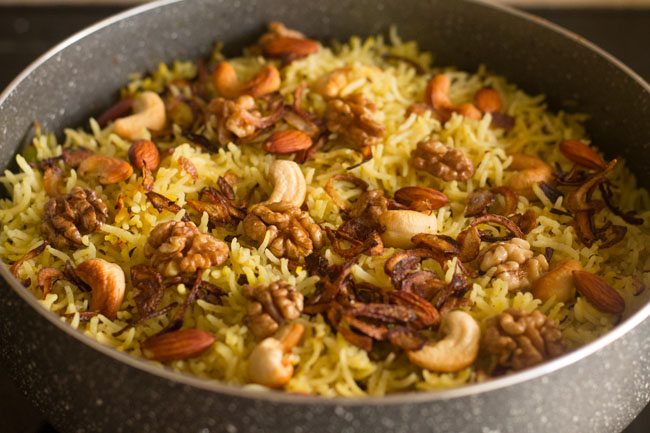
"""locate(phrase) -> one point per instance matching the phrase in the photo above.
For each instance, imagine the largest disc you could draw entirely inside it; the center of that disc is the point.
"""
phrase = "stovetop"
(27, 32)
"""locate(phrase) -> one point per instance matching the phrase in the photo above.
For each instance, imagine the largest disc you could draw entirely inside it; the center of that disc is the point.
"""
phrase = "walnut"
(270, 305)
(520, 340)
(177, 247)
(514, 263)
(442, 161)
(66, 219)
(294, 234)
(353, 118)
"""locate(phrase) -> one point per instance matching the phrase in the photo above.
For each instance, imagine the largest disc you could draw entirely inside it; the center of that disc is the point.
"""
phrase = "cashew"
(289, 184)
(401, 225)
(107, 283)
(148, 113)
(226, 82)
(105, 169)
(268, 363)
(437, 92)
(557, 282)
(529, 171)
(456, 351)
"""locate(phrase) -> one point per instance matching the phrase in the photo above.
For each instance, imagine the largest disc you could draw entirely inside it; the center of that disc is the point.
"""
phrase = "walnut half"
(177, 247)
(520, 340)
(270, 305)
(515, 263)
(67, 218)
(441, 161)
(293, 233)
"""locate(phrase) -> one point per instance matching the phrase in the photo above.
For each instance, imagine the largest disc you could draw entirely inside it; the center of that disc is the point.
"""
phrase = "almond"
(105, 169)
(144, 152)
(421, 198)
(579, 153)
(598, 292)
(287, 141)
(172, 346)
(290, 47)
(487, 100)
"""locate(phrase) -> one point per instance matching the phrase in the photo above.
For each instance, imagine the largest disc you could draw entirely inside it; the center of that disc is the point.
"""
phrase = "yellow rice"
(326, 364)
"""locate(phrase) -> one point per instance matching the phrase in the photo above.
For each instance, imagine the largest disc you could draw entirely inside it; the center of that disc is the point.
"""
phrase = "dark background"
(27, 32)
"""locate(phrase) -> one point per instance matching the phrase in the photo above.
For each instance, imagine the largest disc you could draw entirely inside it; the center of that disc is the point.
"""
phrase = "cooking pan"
(82, 386)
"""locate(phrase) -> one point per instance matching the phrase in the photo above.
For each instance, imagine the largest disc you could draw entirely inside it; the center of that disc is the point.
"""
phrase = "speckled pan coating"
(84, 387)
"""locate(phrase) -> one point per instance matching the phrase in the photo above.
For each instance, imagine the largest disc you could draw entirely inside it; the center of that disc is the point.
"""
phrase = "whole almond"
(487, 100)
(421, 198)
(579, 153)
(144, 152)
(106, 169)
(176, 345)
(287, 141)
(598, 292)
(293, 48)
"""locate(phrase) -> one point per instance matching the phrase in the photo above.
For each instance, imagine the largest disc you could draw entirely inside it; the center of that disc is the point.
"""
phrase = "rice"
(326, 363)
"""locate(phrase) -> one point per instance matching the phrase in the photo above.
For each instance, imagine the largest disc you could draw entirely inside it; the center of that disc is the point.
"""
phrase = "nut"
(603, 296)
(487, 100)
(421, 198)
(289, 47)
(530, 170)
(287, 141)
(437, 93)
(289, 184)
(148, 113)
(106, 169)
(579, 153)
(107, 283)
(144, 153)
(401, 225)
(331, 84)
(225, 80)
(176, 345)
(557, 282)
(456, 351)
(469, 110)
(268, 363)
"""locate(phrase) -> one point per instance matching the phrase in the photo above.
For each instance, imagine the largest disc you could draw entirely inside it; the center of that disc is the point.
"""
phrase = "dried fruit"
(603, 296)
(172, 346)
(106, 169)
(421, 198)
(144, 153)
(287, 141)
(579, 153)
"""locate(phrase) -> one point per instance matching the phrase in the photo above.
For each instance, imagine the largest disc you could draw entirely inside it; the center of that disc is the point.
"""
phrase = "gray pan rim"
(282, 397)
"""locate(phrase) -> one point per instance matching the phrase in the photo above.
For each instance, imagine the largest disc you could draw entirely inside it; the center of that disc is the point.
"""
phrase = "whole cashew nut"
(289, 184)
(107, 283)
(148, 113)
(456, 351)
(557, 282)
(268, 363)
(226, 82)
(529, 170)
(401, 225)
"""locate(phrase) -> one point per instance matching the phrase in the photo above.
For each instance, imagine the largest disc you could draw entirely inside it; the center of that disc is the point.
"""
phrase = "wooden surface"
(27, 32)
